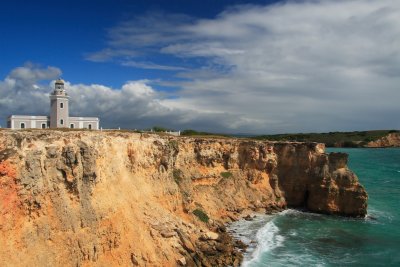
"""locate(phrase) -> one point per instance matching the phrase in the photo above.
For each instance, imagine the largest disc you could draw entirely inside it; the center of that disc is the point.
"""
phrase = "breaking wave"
(267, 238)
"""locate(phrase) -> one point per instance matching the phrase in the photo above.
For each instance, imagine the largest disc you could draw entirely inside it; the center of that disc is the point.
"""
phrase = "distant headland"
(375, 138)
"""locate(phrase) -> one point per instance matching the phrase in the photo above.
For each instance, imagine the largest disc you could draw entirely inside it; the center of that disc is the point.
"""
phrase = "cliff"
(374, 138)
(390, 140)
(81, 198)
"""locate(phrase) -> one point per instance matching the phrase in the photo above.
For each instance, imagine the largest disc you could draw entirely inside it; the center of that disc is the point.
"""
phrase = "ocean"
(296, 238)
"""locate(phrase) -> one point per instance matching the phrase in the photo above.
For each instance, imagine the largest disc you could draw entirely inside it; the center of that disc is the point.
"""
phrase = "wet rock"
(248, 218)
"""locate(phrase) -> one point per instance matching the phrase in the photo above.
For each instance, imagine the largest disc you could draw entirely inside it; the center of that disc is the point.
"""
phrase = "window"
(22, 125)
(90, 127)
(61, 105)
(62, 122)
(72, 126)
(43, 125)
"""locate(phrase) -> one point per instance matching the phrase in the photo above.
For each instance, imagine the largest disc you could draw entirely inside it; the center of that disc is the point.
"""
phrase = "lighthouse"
(59, 109)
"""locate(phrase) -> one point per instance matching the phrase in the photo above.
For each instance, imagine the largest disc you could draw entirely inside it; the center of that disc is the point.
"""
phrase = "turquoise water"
(295, 238)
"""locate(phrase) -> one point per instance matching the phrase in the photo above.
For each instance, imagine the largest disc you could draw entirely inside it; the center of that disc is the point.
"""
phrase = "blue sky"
(222, 66)
(61, 33)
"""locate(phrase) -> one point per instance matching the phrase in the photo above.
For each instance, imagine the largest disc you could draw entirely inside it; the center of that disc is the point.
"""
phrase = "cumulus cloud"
(294, 66)
(21, 91)
(136, 105)
(291, 67)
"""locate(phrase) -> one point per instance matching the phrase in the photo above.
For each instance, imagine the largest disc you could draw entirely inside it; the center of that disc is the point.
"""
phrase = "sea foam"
(268, 238)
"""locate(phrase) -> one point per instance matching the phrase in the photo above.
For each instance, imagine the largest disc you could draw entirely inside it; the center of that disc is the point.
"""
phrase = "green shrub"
(201, 215)
(368, 139)
(173, 144)
(190, 132)
(226, 174)
(161, 129)
(177, 174)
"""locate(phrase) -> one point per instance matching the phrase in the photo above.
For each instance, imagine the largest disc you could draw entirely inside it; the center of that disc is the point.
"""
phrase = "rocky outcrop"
(320, 182)
(80, 198)
(390, 140)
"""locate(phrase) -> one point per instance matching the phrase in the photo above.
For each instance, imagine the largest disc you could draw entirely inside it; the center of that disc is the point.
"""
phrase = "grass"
(201, 215)
(226, 174)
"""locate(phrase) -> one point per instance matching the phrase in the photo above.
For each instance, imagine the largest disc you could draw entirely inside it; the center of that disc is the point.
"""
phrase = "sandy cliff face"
(391, 140)
(101, 199)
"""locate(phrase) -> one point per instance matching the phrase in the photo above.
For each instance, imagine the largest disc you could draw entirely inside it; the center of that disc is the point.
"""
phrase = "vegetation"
(173, 144)
(177, 174)
(226, 174)
(201, 215)
(160, 129)
(331, 139)
(190, 132)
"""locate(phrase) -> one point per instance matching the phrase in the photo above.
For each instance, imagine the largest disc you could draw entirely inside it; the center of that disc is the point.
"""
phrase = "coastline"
(174, 194)
(318, 240)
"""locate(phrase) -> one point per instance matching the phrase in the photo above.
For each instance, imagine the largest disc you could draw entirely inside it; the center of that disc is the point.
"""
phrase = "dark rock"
(248, 218)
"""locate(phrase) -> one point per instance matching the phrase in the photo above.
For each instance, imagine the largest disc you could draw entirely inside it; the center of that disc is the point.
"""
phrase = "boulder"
(168, 234)
(209, 236)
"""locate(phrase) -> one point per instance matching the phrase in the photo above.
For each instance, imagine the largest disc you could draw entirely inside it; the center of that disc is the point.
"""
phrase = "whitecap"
(377, 215)
(295, 212)
(268, 238)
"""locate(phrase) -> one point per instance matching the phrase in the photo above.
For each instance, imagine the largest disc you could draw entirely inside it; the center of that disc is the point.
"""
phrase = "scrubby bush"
(201, 215)
(226, 174)
(160, 129)
(177, 174)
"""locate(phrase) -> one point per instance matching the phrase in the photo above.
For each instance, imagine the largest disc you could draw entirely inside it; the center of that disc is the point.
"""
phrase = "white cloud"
(25, 91)
(295, 66)
(291, 67)
(20, 92)
(151, 66)
(108, 54)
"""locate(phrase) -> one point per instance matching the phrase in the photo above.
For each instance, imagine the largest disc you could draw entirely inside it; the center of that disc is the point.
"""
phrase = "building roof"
(60, 81)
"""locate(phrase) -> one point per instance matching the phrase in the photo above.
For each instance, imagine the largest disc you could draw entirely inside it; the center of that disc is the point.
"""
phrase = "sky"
(228, 66)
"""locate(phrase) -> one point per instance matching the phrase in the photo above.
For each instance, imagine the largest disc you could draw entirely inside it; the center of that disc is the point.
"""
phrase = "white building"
(59, 115)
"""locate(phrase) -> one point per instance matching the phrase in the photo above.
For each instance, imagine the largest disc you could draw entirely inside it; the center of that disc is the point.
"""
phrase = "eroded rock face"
(95, 198)
(391, 140)
(320, 182)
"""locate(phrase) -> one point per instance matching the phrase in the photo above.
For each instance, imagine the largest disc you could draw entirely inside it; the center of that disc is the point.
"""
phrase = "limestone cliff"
(81, 198)
(390, 140)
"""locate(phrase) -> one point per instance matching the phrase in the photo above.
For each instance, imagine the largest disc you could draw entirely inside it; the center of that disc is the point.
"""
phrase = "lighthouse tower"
(59, 113)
